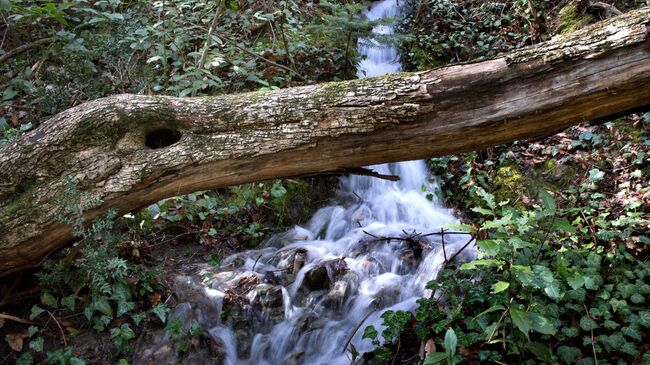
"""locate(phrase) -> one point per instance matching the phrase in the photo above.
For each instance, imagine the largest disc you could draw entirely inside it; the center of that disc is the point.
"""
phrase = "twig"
(234, 44)
(25, 47)
(611, 9)
(367, 172)
(258, 258)
(15, 319)
(399, 344)
(593, 347)
(462, 249)
(208, 41)
(65, 341)
(444, 250)
(347, 343)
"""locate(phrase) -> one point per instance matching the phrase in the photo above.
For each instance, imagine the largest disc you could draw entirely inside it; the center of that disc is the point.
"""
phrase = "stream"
(306, 295)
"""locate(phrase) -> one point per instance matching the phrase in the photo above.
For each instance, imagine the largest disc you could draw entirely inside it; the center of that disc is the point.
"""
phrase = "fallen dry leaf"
(430, 347)
(15, 340)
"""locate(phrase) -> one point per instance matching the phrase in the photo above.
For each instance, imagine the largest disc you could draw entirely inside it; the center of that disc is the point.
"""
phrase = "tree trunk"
(133, 150)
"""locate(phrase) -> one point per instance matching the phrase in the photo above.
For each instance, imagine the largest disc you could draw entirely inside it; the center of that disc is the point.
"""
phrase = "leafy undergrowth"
(561, 274)
(92, 302)
(56, 55)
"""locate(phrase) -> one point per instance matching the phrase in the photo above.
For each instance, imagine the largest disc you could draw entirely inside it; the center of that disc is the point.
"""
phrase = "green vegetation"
(561, 224)
(561, 276)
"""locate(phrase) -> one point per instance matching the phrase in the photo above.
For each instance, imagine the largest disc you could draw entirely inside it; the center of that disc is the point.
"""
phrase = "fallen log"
(133, 150)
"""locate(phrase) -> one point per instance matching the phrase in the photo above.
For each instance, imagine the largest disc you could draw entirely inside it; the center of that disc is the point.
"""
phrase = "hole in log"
(161, 138)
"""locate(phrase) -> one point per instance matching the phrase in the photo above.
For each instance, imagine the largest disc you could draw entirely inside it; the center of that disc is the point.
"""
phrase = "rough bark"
(233, 139)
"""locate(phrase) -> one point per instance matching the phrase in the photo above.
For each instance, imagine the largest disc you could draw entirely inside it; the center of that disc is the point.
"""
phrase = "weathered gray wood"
(233, 139)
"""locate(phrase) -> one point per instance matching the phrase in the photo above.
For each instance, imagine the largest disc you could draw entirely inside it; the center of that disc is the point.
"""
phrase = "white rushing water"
(317, 287)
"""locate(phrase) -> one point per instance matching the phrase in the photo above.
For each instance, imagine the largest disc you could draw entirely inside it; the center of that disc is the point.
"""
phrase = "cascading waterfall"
(309, 291)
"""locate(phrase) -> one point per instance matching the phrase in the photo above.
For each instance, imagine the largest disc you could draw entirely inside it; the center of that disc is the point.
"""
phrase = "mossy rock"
(571, 18)
(301, 200)
(508, 182)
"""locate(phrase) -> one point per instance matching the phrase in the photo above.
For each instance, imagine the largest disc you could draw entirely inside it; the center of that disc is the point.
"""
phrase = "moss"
(508, 182)
(303, 197)
(629, 130)
(258, 95)
(19, 206)
(571, 19)
(552, 175)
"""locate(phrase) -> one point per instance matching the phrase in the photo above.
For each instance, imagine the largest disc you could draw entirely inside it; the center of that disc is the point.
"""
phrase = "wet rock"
(336, 296)
(317, 279)
(299, 259)
(266, 296)
(295, 358)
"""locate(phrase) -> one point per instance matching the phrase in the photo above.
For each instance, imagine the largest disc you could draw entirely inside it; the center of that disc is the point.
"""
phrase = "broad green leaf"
(490, 247)
(521, 319)
(483, 211)
(541, 324)
(450, 342)
(540, 350)
(476, 263)
(499, 286)
(435, 358)
(48, 299)
(563, 225)
(495, 308)
(553, 290)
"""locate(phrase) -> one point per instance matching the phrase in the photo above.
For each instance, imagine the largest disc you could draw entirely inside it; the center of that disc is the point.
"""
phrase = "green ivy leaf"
(36, 311)
(69, 302)
(101, 305)
(36, 344)
(575, 280)
(568, 354)
(25, 359)
(644, 319)
(160, 310)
